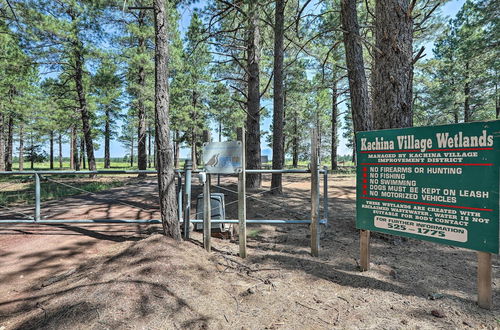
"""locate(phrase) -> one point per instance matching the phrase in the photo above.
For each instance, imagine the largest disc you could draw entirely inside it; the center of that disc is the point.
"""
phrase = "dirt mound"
(153, 283)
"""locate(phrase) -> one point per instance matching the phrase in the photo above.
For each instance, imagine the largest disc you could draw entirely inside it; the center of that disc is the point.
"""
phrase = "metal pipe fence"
(183, 193)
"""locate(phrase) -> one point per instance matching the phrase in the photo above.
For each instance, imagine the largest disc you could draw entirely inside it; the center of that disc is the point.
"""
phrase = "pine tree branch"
(419, 55)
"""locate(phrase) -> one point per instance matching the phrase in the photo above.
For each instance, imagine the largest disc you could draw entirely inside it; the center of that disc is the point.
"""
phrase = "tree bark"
(78, 76)
(87, 133)
(83, 161)
(10, 143)
(295, 143)
(71, 149)
(194, 157)
(107, 139)
(253, 102)
(149, 148)
(76, 159)
(166, 174)
(177, 149)
(358, 86)
(278, 102)
(132, 152)
(194, 151)
(21, 147)
(393, 67)
(333, 154)
(51, 150)
(142, 157)
(32, 152)
(497, 98)
(2, 142)
(59, 140)
(467, 111)
(155, 155)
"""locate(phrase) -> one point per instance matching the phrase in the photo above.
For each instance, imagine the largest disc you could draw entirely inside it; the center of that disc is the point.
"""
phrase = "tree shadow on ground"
(129, 289)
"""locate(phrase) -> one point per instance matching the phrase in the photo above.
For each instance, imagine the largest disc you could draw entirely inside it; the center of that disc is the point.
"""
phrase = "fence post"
(484, 295)
(314, 194)
(37, 197)
(207, 200)
(325, 192)
(207, 214)
(242, 200)
(188, 167)
(364, 246)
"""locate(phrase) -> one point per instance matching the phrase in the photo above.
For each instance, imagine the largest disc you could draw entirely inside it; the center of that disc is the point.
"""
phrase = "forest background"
(68, 62)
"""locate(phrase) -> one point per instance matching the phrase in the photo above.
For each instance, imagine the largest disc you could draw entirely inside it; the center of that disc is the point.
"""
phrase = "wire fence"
(22, 195)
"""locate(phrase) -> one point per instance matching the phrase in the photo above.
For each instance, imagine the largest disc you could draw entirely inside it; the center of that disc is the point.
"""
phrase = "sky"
(449, 9)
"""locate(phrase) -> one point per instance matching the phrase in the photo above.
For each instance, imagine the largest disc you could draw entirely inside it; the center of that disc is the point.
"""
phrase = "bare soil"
(130, 276)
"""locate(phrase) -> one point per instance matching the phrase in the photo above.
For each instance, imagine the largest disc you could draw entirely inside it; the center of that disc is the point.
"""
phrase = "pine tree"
(17, 77)
(60, 35)
(107, 88)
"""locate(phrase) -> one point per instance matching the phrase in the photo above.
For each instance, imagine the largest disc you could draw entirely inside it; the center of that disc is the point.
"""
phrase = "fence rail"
(38, 175)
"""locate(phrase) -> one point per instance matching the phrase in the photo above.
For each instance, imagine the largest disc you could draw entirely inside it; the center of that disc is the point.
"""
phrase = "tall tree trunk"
(10, 143)
(76, 159)
(78, 76)
(59, 140)
(21, 146)
(71, 149)
(194, 154)
(194, 151)
(87, 133)
(467, 111)
(295, 143)
(393, 67)
(83, 161)
(142, 157)
(177, 149)
(51, 150)
(358, 86)
(107, 139)
(278, 101)
(132, 152)
(253, 103)
(333, 154)
(220, 130)
(284, 121)
(497, 98)
(166, 174)
(32, 152)
(2, 142)
(150, 156)
(155, 155)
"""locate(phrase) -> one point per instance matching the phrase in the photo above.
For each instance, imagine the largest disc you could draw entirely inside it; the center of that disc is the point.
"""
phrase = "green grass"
(252, 233)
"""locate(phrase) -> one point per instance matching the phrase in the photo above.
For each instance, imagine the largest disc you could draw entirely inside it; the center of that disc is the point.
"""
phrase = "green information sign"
(438, 183)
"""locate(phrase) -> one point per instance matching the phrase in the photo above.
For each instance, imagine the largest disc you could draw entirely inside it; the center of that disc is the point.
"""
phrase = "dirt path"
(83, 277)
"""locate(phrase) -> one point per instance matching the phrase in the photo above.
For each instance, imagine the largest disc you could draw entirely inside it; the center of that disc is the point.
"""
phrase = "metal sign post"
(314, 194)
(188, 167)
(242, 200)
(207, 212)
(37, 197)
